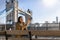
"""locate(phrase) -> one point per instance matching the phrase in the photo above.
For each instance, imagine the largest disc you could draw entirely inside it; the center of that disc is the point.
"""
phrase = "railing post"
(6, 36)
(30, 36)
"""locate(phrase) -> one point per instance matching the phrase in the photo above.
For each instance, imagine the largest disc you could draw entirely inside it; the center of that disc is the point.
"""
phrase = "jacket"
(20, 26)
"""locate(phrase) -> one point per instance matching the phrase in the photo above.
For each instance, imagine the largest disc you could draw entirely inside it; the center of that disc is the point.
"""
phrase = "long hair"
(19, 18)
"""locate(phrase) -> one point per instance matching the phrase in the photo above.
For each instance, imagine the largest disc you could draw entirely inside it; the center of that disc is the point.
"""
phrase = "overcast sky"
(42, 10)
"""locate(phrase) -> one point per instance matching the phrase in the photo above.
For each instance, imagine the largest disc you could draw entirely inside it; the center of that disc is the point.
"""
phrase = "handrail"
(44, 33)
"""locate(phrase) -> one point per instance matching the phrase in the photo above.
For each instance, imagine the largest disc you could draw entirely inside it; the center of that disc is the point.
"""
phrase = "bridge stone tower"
(11, 17)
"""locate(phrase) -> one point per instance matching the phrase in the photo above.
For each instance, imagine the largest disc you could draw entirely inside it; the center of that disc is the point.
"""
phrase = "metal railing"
(39, 35)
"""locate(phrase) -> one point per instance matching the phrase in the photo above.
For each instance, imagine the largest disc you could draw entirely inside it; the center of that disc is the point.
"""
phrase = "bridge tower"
(11, 17)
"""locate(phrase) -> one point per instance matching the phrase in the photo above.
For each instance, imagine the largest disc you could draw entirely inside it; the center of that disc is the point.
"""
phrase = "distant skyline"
(42, 10)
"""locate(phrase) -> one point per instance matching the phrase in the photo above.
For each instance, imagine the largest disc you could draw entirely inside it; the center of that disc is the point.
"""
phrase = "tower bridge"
(13, 15)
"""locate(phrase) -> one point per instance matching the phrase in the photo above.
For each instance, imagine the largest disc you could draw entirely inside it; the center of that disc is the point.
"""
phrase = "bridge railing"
(28, 34)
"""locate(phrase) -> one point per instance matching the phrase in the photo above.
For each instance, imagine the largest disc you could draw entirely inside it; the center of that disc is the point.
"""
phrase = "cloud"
(49, 3)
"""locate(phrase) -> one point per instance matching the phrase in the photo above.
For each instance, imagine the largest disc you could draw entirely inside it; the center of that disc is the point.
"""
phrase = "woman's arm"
(26, 24)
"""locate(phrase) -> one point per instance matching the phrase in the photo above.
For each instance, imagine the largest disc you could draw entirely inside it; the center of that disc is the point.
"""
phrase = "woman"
(20, 25)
